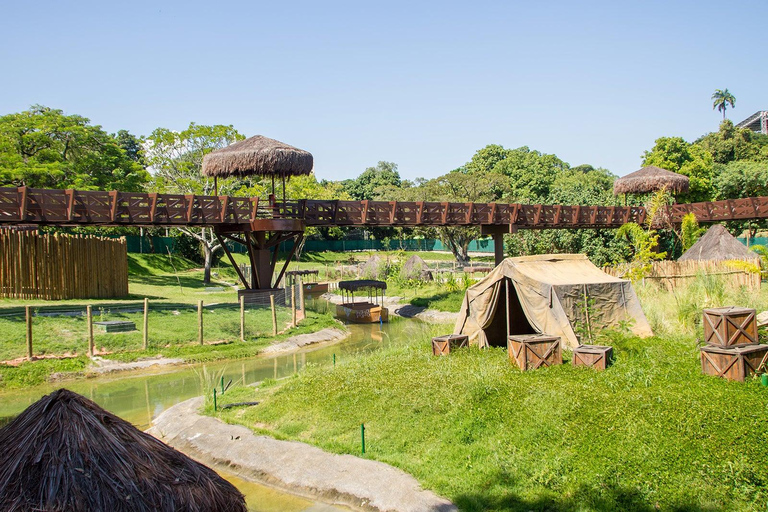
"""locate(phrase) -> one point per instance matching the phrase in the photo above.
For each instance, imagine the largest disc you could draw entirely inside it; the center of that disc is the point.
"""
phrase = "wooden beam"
(470, 209)
(232, 260)
(444, 216)
(299, 238)
(364, 213)
(113, 205)
(152, 206)
(22, 203)
(223, 203)
(419, 212)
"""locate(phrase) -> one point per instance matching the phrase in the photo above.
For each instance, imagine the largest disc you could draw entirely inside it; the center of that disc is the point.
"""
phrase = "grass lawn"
(649, 433)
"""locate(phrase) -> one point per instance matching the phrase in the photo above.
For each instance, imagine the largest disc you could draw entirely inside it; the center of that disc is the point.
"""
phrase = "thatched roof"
(373, 268)
(64, 452)
(416, 268)
(718, 244)
(257, 155)
(362, 284)
(651, 179)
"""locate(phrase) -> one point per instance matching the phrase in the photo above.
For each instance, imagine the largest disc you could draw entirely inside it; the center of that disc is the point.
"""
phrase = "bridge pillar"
(497, 231)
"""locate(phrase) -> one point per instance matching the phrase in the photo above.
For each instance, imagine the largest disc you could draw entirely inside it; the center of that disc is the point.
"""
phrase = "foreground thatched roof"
(65, 453)
(258, 155)
(651, 179)
(362, 284)
(718, 244)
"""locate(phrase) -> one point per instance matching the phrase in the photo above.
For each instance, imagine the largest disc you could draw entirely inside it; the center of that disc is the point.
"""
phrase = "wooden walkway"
(77, 207)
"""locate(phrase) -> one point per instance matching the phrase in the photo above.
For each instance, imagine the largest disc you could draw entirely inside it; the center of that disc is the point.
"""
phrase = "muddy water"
(140, 396)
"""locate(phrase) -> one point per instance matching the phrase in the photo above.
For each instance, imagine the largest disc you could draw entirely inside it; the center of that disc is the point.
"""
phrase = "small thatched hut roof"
(64, 452)
(258, 155)
(651, 179)
(416, 268)
(302, 272)
(718, 244)
(362, 284)
(373, 268)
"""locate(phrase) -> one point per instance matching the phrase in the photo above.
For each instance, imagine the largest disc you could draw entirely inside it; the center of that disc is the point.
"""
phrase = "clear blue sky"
(421, 84)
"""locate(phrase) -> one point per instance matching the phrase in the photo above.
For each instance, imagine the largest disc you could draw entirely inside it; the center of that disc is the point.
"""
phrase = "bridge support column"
(498, 232)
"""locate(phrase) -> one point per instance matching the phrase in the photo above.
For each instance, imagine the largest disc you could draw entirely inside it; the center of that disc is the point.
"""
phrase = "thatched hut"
(258, 156)
(64, 452)
(651, 179)
(719, 245)
(374, 268)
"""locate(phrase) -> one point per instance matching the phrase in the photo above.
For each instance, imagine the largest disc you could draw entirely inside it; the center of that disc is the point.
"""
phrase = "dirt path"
(295, 467)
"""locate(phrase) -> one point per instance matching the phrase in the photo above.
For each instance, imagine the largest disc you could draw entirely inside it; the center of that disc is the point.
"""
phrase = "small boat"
(365, 311)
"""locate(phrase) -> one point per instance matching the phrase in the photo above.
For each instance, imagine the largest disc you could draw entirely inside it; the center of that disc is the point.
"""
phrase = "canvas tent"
(556, 294)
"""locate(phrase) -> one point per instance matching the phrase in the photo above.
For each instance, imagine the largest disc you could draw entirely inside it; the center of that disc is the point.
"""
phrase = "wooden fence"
(58, 266)
(673, 274)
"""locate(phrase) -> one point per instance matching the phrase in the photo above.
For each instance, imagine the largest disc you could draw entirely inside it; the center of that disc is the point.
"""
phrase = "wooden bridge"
(263, 224)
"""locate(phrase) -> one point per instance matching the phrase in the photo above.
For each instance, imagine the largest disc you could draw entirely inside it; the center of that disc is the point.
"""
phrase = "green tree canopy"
(730, 143)
(741, 179)
(676, 155)
(366, 185)
(42, 147)
(530, 174)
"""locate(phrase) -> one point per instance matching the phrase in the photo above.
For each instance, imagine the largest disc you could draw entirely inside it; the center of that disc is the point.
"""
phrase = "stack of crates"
(732, 349)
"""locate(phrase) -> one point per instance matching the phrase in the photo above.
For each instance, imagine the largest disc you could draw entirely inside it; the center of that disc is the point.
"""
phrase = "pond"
(138, 397)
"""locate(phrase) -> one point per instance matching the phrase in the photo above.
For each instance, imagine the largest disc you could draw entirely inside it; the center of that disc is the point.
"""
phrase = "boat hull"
(362, 312)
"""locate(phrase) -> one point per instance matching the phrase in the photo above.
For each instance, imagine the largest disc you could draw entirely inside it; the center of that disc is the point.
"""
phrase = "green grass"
(651, 432)
(127, 348)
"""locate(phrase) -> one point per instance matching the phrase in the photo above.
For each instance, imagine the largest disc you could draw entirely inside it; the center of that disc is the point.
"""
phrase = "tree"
(365, 186)
(730, 143)
(530, 174)
(42, 147)
(177, 159)
(721, 99)
(741, 179)
(132, 146)
(676, 155)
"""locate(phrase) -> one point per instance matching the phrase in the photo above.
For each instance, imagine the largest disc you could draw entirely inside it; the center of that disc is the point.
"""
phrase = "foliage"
(643, 244)
(676, 155)
(366, 185)
(530, 174)
(42, 147)
(690, 231)
(741, 179)
(730, 143)
(721, 99)
(177, 159)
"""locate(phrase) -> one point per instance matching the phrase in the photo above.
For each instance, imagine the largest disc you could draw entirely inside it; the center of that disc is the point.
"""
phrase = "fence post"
(28, 312)
(145, 341)
(200, 321)
(293, 306)
(242, 318)
(301, 299)
(89, 319)
(274, 314)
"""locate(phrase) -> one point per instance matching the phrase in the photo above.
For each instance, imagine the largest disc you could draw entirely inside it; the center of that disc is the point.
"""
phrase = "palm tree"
(722, 99)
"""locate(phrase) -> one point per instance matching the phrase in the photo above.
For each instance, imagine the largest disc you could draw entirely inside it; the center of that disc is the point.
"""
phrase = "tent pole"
(506, 298)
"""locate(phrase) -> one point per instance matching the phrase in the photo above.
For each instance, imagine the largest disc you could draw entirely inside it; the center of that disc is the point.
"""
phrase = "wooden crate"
(531, 351)
(727, 327)
(598, 357)
(442, 345)
(733, 363)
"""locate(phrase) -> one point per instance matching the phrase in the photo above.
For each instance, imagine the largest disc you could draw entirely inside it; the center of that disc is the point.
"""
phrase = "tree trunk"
(208, 253)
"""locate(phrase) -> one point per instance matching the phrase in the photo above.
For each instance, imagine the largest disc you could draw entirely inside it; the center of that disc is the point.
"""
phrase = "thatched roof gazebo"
(258, 156)
(651, 179)
(64, 452)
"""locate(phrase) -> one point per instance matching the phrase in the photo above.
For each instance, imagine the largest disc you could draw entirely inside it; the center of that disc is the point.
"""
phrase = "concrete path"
(295, 467)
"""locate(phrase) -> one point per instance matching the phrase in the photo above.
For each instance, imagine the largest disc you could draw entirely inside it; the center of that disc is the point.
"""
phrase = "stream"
(139, 396)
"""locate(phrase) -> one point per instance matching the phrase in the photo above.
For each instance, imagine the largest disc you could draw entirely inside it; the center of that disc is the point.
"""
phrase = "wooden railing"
(77, 207)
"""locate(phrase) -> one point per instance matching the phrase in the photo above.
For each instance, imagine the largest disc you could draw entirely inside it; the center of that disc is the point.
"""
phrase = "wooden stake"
(28, 311)
(242, 318)
(293, 307)
(200, 321)
(89, 319)
(274, 314)
(145, 341)
(301, 299)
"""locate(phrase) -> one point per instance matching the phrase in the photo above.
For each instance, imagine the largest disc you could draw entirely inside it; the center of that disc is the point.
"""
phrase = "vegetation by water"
(649, 433)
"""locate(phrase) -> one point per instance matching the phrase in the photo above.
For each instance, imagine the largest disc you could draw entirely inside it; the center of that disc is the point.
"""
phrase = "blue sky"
(421, 84)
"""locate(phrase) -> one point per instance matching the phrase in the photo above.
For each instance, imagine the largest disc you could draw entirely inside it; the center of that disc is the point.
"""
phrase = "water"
(140, 396)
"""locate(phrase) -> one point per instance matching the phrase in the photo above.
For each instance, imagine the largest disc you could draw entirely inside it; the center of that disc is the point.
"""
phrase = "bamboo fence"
(58, 266)
(673, 274)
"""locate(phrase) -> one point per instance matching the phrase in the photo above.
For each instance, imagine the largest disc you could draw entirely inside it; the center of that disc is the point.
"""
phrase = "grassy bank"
(38, 372)
(650, 433)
